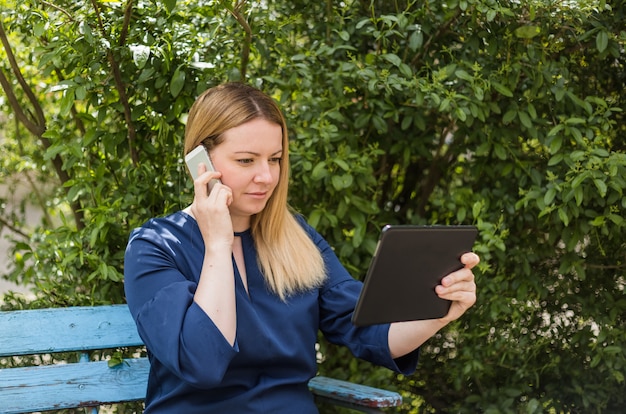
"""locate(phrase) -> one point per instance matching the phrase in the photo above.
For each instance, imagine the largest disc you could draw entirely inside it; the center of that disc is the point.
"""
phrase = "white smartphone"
(200, 156)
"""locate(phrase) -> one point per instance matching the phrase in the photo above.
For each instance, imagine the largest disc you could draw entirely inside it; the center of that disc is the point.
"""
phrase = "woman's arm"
(458, 287)
(216, 289)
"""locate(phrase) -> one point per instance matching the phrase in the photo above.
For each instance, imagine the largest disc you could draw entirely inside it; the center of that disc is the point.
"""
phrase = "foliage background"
(506, 115)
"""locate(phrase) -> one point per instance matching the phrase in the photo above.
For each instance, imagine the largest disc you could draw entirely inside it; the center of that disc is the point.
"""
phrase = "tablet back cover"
(409, 263)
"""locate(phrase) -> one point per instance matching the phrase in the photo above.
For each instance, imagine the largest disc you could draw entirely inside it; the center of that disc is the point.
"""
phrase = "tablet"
(409, 262)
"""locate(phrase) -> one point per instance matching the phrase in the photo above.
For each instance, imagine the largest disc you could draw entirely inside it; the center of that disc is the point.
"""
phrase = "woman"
(229, 293)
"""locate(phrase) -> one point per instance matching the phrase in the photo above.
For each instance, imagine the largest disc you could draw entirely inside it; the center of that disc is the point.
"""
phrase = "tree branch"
(606, 267)
(444, 27)
(54, 6)
(245, 51)
(127, 16)
(36, 126)
(120, 87)
(434, 173)
(5, 223)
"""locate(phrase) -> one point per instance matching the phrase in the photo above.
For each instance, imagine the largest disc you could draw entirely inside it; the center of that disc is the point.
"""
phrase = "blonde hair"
(287, 256)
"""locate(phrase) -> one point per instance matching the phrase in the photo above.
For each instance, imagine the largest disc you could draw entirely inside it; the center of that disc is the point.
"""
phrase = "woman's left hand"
(460, 288)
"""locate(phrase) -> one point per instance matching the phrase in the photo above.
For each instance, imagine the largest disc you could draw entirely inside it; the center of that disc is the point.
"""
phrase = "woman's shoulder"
(164, 227)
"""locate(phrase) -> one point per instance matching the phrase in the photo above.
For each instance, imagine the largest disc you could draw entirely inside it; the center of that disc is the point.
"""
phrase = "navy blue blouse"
(195, 370)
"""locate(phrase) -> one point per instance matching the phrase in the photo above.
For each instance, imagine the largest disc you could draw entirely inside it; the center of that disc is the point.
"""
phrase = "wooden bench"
(35, 335)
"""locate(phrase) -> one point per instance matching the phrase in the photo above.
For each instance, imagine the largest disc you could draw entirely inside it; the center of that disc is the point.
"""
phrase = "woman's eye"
(276, 160)
(245, 160)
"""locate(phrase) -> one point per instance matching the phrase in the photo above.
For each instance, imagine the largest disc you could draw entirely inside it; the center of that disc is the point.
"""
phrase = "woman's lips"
(260, 194)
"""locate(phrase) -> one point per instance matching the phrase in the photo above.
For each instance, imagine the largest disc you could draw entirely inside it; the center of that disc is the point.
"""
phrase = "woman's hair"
(289, 259)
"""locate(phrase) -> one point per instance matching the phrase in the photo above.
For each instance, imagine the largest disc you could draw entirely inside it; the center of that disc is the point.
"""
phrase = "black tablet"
(408, 264)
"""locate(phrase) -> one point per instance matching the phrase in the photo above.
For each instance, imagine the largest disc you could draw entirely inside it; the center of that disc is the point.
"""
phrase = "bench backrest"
(41, 331)
(88, 383)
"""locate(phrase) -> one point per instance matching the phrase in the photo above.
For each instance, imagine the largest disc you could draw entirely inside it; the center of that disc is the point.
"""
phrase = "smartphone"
(200, 156)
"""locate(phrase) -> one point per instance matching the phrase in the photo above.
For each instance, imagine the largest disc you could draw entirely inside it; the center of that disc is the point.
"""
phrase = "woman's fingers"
(470, 259)
(460, 287)
(201, 184)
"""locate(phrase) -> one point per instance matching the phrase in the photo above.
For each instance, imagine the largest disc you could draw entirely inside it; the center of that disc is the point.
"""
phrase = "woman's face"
(249, 160)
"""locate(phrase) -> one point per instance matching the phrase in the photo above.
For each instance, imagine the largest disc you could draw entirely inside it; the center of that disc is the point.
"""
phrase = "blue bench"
(91, 383)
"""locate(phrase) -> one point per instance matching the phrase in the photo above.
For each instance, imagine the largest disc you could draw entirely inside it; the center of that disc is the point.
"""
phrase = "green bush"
(506, 115)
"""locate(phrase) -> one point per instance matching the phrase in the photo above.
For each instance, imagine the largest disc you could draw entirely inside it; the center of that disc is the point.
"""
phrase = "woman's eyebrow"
(257, 154)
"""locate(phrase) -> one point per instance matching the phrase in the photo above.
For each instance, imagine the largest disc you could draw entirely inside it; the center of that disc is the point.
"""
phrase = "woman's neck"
(240, 223)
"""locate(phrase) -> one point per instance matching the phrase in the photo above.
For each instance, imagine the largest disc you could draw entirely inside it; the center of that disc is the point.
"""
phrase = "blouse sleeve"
(337, 303)
(174, 328)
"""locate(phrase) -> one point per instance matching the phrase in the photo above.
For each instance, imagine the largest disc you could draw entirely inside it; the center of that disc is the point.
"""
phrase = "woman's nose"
(263, 174)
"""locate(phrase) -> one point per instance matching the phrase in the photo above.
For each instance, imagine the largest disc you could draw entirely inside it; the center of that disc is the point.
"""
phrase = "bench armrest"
(356, 396)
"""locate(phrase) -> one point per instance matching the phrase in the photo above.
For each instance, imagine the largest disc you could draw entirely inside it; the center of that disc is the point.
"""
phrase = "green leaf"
(597, 358)
(416, 40)
(406, 70)
(555, 145)
(525, 119)
(177, 82)
(406, 122)
(80, 92)
(116, 359)
(319, 171)
(575, 121)
(503, 90)
(500, 151)
(598, 221)
(379, 123)
(392, 58)
(460, 114)
(555, 159)
(555, 130)
(602, 40)
(141, 54)
(548, 198)
(509, 116)
(39, 29)
(461, 214)
(341, 182)
(363, 205)
(444, 105)
(67, 101)
(601, 186)
(578, 155)
(601, 152)
(461, 74)
(527, 32)
(578, 195)
(477, 208)
(576, 133)
(170, 4)
(342, 164)
(563, 216)
(362, 120)
(577, 181)
(314, 217)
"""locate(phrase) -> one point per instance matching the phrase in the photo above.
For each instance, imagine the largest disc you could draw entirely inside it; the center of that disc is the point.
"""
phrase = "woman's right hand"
(210, 209)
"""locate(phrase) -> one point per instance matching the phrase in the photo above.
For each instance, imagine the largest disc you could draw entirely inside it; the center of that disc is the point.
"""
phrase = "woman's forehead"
(258, 135)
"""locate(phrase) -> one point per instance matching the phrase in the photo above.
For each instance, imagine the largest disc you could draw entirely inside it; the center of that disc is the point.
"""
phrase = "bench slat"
(352, 395)
(53, 387)
(66, 329)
